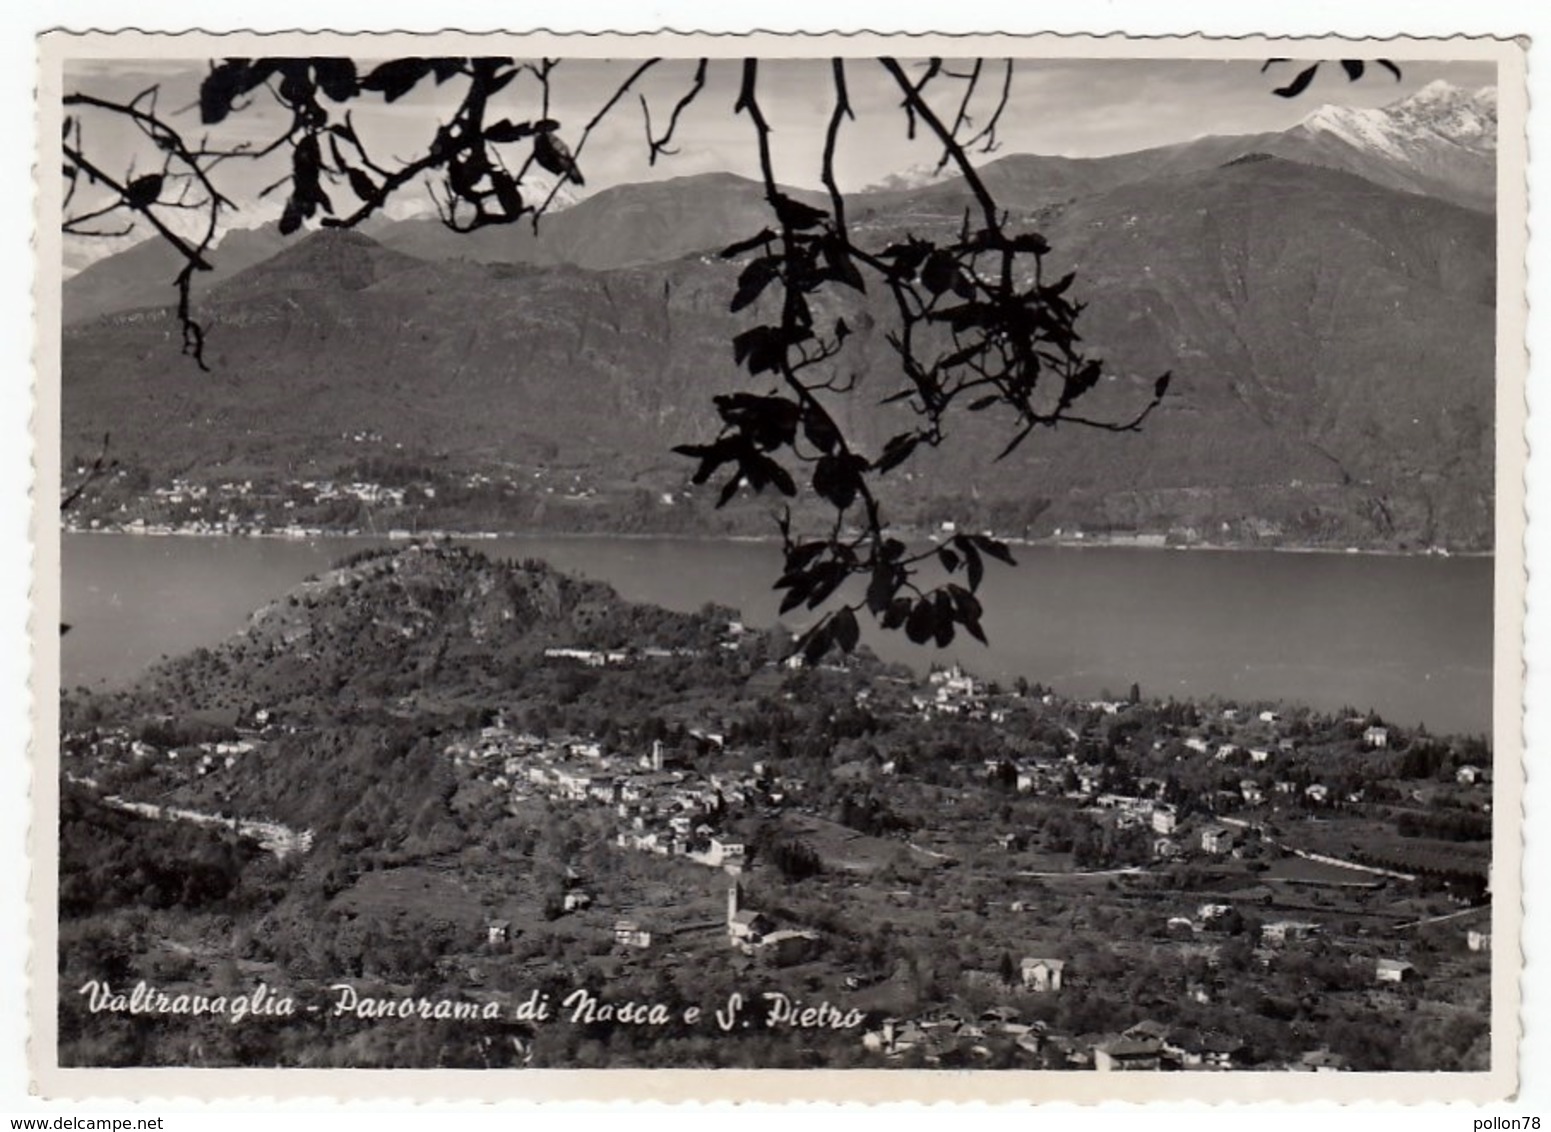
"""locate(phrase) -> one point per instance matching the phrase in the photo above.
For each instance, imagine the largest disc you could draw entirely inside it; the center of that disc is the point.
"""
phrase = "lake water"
(1409, 637)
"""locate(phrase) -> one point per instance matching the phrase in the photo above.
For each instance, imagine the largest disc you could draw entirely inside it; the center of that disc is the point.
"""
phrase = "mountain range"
(1324, 296)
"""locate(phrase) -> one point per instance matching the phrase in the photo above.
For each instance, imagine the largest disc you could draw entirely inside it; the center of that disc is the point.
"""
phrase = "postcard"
(684, 567)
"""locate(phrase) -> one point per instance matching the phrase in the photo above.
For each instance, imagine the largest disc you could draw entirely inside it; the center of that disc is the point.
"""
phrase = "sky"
(1075, 107)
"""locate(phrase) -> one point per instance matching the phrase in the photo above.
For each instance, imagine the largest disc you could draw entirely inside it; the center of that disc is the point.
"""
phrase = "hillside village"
(986, 875)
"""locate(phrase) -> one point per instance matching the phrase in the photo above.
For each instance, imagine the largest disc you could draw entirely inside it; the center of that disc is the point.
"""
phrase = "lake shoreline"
(762, 540)
(1409, 635)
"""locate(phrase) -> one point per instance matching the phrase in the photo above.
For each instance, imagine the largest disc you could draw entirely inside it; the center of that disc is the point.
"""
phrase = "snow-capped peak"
(1439, 113)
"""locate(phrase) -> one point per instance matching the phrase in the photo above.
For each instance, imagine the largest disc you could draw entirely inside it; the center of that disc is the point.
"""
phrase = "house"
(1395, 971)
(1469, 775)
(745, 927)
(1478, 940)
(576, 901)
(1197, 744)
(1287, 931)
(1194, 1050)
(498, 932)
(1376, 737)
(1317, 792)
(1121, 1055)
(628, 933)
(1259, 755)
(1251, 792)
(786, 946)
(726, 852)
(1219, 839)
(1270, 717)
(1164, 820)
(1166, 848)
(1042, 975)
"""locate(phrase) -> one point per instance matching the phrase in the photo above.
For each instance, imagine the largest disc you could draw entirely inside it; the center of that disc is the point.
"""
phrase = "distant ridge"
(1332, 341)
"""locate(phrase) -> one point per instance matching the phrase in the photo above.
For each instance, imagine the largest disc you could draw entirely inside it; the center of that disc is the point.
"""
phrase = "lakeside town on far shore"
(326, 508)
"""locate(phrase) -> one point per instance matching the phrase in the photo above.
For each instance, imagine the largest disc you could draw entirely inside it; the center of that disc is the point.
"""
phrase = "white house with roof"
(1042, 975)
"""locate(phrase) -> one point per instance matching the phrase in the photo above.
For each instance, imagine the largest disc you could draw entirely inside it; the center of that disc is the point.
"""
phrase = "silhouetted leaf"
(967, 609)
(1390, 67)
(508, 131)
(974, 566)
(1059, 287)
(758, 275)
(942, 619)
(336, 78)
(997, 550)
(841, 268)
(921, 625)
(1161, 386)
(768, 422)
(497, 84)
(227, 82)
(1299, 84)
(839, 478)
(711, 456)
(732, 251)
(819, 429)
(729, 489)
(290, 217)
(816, 641)
(939, 271)
(797, 593)
(798, 558)
(143, 192)
(397, 77)
(760, 348)
(827, 578)
(760, 471)
(906, 258)
(1031, 243)
(507, 192)
(1354, 68)
(948, 558)
(964, 316)
(795, 214)
(897, 450)
(844, 629)
(360, 184)
(898, 611)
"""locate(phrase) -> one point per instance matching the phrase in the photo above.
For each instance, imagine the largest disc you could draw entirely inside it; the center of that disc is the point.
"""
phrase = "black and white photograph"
(674, 555)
